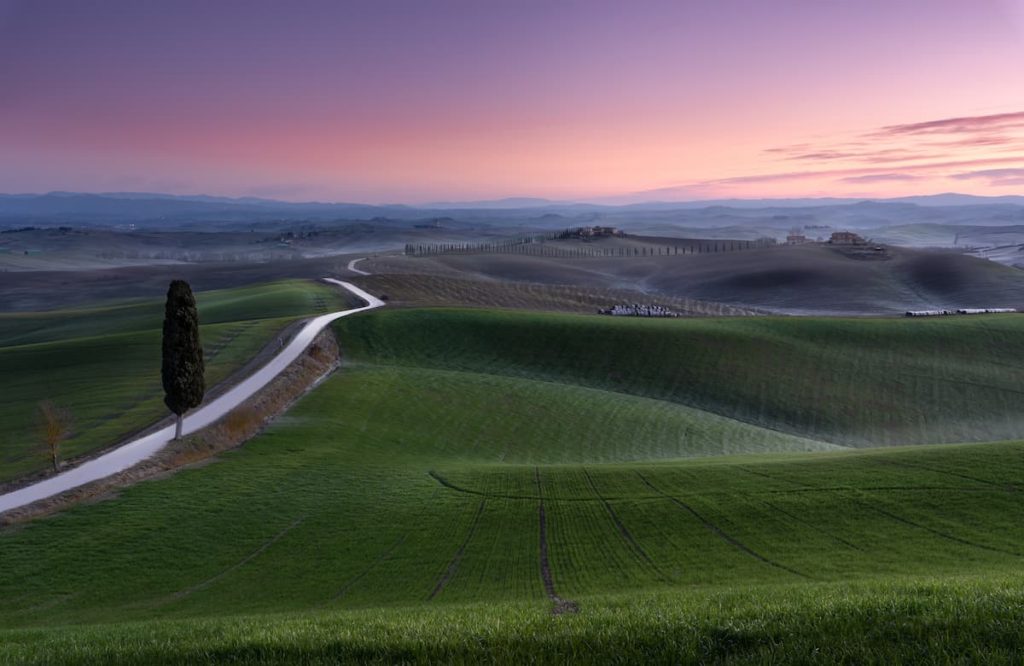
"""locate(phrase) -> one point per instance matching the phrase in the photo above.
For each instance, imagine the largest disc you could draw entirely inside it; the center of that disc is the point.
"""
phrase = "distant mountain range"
(156, 209)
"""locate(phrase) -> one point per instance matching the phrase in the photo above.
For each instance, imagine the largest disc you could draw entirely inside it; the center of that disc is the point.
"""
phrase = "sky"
(415, 101)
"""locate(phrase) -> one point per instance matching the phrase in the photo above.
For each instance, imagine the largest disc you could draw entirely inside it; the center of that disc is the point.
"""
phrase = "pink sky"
(391, 101)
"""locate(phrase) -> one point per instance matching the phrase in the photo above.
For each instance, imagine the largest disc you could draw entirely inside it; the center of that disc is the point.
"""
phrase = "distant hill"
(952, 199)
(144, 207)
(510, 202)
(761, 216)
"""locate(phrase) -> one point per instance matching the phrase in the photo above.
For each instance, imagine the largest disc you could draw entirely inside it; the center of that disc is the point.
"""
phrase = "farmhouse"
(845, 238)
(599, 232)
(638, 310)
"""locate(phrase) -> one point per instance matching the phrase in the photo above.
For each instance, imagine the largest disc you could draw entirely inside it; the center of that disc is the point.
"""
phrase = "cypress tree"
(182, 369)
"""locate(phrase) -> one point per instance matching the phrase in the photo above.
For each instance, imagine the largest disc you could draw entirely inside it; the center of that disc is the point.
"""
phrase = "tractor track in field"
(624, 532)
(742, 468)
(715, 529)
(528, 498)
(453, 564)
(813, 526)
(806, 487)
(222, 343)
(987, 482)
(877, 489)
(561, 606)
(237, 565)
(451, 486)
(362, 574)
(938, 533)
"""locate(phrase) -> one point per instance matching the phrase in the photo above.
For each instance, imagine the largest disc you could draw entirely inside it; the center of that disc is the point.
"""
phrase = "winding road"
(352, 266)
(137, 450)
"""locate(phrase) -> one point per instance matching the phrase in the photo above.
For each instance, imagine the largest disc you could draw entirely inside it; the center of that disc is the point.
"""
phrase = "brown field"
(789, 279)
(412, 290)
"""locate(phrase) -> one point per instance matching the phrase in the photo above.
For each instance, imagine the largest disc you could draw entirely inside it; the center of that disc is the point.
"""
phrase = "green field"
(461, 480)
(855, 382)
(103, 363)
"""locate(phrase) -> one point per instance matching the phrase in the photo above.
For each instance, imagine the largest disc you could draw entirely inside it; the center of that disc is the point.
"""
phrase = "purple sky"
(419, 101)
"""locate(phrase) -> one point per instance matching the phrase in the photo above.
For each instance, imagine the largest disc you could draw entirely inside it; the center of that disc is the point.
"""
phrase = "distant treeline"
(537, 247)
(63, 230)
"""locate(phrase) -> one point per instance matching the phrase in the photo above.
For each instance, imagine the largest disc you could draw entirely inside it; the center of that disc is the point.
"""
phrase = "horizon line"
(540, 202)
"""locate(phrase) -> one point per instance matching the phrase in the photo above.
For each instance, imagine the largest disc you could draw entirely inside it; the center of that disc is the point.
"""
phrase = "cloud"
(926, 168)
(990, 173)
(881, 178)
(870, 157)
(995, 177)
(962, 125)
(846, 150)
(983, 140)
(914, 142)
(969, 147)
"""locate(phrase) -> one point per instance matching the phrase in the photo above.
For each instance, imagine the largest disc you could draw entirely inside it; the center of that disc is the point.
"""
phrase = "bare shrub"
(55, 425)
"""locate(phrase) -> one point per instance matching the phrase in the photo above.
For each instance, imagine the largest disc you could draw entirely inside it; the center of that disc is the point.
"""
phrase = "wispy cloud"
(985, 151)
(966, 148)
(881, 178)
(867, 156)
(925, 168)
(914, 142)
(984, 140)
(962, 125)
(995, 177)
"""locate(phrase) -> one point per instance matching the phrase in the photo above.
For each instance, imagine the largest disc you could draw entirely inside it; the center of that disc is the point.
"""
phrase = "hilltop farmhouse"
(845, 238)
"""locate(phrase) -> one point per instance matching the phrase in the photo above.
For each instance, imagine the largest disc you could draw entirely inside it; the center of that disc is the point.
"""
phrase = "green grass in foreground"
(409, 513)
(104, 363)
(369, 496)
(911, 622)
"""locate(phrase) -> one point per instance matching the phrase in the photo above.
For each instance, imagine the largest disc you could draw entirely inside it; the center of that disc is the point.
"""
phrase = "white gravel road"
(352, 266)
(135, 451)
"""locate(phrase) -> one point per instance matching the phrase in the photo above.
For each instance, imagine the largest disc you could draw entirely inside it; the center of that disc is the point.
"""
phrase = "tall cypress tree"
(182, 369)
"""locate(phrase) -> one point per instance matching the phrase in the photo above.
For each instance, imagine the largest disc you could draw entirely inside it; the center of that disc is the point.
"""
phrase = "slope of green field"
(857, 382)
(521, 512)
(104, 363)
(384, 490)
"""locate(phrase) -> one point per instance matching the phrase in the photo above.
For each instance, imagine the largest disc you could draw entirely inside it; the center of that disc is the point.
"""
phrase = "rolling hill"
(787, 279)
(856, 382)
(500, 486)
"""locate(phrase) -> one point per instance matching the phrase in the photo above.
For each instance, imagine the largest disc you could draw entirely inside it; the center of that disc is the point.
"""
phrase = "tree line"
(541, 249)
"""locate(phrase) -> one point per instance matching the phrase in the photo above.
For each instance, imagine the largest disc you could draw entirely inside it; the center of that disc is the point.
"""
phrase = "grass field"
(104, 363)
(407, 511)
(855, 382)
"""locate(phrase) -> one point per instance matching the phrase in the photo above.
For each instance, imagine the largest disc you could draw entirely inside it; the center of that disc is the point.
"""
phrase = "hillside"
(857, 382)
(481, 485)
(103, 363)
(787, 279)
(409, 512)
